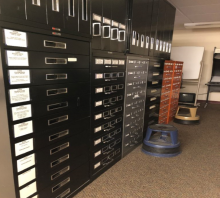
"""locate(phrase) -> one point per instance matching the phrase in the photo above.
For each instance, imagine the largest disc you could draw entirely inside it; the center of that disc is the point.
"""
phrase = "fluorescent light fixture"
(202, 25)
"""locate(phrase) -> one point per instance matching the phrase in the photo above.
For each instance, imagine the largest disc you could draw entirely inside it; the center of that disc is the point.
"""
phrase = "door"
(36, 11)
(71, 16)
(84, 17)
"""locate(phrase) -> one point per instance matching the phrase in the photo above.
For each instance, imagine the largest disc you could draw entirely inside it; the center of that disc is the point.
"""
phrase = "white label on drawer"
(19, 95)
(99, 61)
(28, 190)
(24, 147)
(106, 21)
(97, 17)
(26, 177)
(114, 62)
(152, 43)
(23, 128)
(99, 90)
(121, 26)
(15, 38)
(97, 165)
(21, 112)
(152, 99)
(170, 46)
(98, 129)
(115, 24)
(97, 141)
(121, 62)
(17, 77)
(17, 58)
(98, 76)
(98, 116)
(72, 59)
(128, 115)
(98, 153)
(128, 95)
(167, 46)
(25, 162)
(99, 103)
(161, 45)
(157, 44)
(107, 61)
(154, 82)
(164, 46)
(130, 84)
(131, 61)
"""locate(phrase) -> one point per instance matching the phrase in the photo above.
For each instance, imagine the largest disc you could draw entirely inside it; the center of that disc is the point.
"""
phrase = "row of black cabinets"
(70, 16)
(143, 27)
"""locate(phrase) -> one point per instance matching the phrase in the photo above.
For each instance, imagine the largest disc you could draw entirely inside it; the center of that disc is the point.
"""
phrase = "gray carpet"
(194, 173)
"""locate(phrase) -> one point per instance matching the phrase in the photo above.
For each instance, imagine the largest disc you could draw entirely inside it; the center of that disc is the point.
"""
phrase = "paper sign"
(97, 141)
(25, 162)
(19, 95)
(23, 128)
(97, 165)
(108, 61)
(21, 112)
(24, 147)
(17, 58)
(26, 177)
(99, 90)
(99, 103)
(28, 190)
(15, 38)
(98, 129)
(17, 77)
(99, 61)
(98, 116)
(98, 76)
(121, 62)
(97, 153)
(114, 62)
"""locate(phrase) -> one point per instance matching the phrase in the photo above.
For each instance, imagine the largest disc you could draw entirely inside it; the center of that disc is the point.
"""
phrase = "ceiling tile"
(205, 17)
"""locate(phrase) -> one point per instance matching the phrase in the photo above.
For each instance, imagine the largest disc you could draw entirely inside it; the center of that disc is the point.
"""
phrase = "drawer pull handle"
(110, 128)
(157, 65)
(84, 10)
(121, 35)
(58, 135)
(62, 195)
(106, 32)
(53, 92)
(53, 44)
(114, 34)
(36, 2)
(58, 186)
(152, 107)
(60, 160)
(108, 140)
(153, 91)
(108, 93)
(57, 106)
(138, 66)
(56, 76)
(137, 76)
(59, 148)
(107, 66)
(96, 29)
(156, 74)
(55, 5)
(110, 79)
(61, 172)
(152, 99)
(58, 120)
(155, 82)
(62, 61)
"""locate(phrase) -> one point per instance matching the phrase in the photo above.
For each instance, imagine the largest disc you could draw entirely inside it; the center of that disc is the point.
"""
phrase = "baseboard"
(210, 102)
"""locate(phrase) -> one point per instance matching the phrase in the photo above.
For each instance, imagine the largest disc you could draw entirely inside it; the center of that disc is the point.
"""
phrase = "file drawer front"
(156, 65)
(49, 76)
(45, 60)
(155, 75)
(153, 91)
(108, 64)
(154, 83)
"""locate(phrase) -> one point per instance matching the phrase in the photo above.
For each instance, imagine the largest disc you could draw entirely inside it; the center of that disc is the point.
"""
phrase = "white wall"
(208, 38)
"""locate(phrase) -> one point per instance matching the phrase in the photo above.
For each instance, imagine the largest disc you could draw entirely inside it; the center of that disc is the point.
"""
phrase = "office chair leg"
(207, 98)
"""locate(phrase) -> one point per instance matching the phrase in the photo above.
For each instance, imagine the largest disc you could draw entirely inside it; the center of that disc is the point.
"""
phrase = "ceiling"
(194, 11)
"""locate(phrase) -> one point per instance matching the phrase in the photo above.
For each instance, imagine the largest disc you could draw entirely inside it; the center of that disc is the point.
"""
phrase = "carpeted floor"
(194, 173)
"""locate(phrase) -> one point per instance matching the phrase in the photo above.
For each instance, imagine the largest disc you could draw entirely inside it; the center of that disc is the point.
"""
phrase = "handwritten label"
(98, 153)
(19, 95)
(98, 129)
(97, 141)
(24, 147)
(98, 116)
(23, 128)
(99, 90)
(17, 58)
(99, 61)
(15, 38)
(97, 165)
(99, 103)
(21, 112)
(98, 76)
(108, 61)
(17, 77)
(25, 162)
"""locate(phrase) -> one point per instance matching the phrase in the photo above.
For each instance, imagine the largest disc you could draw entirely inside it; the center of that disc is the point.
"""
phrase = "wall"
(208, 38)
